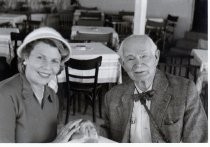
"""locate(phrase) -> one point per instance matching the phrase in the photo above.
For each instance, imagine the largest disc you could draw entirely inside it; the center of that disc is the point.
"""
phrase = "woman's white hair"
(144, 40)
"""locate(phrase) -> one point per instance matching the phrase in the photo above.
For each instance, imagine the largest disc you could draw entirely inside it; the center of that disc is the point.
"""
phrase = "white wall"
(156, 8)
(182, 8)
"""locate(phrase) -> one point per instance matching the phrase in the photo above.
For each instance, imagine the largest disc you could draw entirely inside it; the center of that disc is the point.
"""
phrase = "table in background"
(96, 30)
(200, 58)
(6, 47)
(77, 14)
(110, 69)
(12, 18)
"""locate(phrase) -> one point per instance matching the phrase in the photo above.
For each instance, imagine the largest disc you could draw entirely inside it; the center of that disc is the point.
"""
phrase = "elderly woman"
(28, 107)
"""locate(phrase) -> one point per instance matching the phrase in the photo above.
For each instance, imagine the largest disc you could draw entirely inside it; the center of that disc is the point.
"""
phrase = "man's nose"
(138, 60)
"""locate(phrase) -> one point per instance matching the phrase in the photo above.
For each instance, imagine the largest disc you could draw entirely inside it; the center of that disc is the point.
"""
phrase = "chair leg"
(100, 103)
(79, 102)
(93, 105)
(67, 110)
(86, 104)
(74, 103)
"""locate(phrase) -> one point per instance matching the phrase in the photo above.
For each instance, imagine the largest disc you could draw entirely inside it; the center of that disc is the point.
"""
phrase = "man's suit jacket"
(176, 108)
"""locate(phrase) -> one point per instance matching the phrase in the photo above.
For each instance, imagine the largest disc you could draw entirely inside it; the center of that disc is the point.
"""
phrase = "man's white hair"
(144, 40)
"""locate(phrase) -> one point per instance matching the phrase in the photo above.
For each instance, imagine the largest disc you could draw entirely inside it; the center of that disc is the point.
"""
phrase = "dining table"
(12, 18)
(96, 30)
(110, 69)
(200, 58)
(6, 45)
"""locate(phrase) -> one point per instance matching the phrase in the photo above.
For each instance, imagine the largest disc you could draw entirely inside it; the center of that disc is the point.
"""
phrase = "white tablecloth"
(96, 30)
(12, 18)
(6, 48)
(110, 69)
(77, 14)
(200, 57)
(39, 16)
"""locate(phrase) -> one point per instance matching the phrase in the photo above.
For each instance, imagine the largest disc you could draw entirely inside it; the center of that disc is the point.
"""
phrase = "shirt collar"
(27, 91)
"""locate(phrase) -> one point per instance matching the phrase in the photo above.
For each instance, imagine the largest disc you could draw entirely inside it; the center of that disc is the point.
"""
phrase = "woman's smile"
(44, 75)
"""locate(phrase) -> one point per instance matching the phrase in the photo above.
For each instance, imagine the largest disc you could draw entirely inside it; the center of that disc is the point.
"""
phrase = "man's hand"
(67, 131)
(86, 133)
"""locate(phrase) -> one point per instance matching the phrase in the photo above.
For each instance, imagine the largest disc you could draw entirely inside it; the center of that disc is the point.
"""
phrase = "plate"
(82, 47)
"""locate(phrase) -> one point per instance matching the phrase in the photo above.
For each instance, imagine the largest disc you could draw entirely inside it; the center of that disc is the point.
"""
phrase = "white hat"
(45, 33)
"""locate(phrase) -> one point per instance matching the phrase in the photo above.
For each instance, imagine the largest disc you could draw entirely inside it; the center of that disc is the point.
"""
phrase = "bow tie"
(144, 96)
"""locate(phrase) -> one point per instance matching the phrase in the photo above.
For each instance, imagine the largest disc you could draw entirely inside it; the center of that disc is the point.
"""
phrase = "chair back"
(52, 20)
(65, 23)
(91, 64)
(17, 38)
(155, 30)
(123, 28)
(123, 13)
(87, 8)
(93, 15)
(31, 25)
(170, 25)
(86, 37)
(179, 65)
(171, 22)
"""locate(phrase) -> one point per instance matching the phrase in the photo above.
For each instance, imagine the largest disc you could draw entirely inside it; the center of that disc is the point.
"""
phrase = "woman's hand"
(67, 131)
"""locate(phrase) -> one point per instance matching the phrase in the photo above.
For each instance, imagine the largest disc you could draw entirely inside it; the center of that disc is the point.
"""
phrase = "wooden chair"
(170, 25)
(123, 28)
(52, 20)
(154, 30)
(16, 38)
(92, 15)
(4, 69)
(87, 8)
(90, 89)
(65, 23)
(89, 37)
(31, 25)
(179, 65)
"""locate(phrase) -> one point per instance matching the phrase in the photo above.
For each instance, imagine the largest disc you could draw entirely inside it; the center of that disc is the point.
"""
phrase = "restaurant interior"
(96, 28)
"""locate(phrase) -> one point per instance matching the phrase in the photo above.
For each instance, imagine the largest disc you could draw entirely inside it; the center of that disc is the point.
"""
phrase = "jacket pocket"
(172, 129)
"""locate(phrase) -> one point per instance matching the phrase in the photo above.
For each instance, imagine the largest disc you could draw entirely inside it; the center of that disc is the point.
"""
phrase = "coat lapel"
(160, 101)
(125, 108)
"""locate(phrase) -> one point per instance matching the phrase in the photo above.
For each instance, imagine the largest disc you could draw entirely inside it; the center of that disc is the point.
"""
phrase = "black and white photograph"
(103, 71)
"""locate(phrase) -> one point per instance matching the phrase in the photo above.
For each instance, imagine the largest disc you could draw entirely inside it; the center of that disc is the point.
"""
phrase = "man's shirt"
(140, 124)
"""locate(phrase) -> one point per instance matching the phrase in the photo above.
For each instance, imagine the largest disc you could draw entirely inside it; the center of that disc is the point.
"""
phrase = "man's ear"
(121, 62)
(157, 54)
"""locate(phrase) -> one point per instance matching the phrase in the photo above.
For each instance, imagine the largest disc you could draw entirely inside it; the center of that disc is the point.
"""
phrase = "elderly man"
(152, 106)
